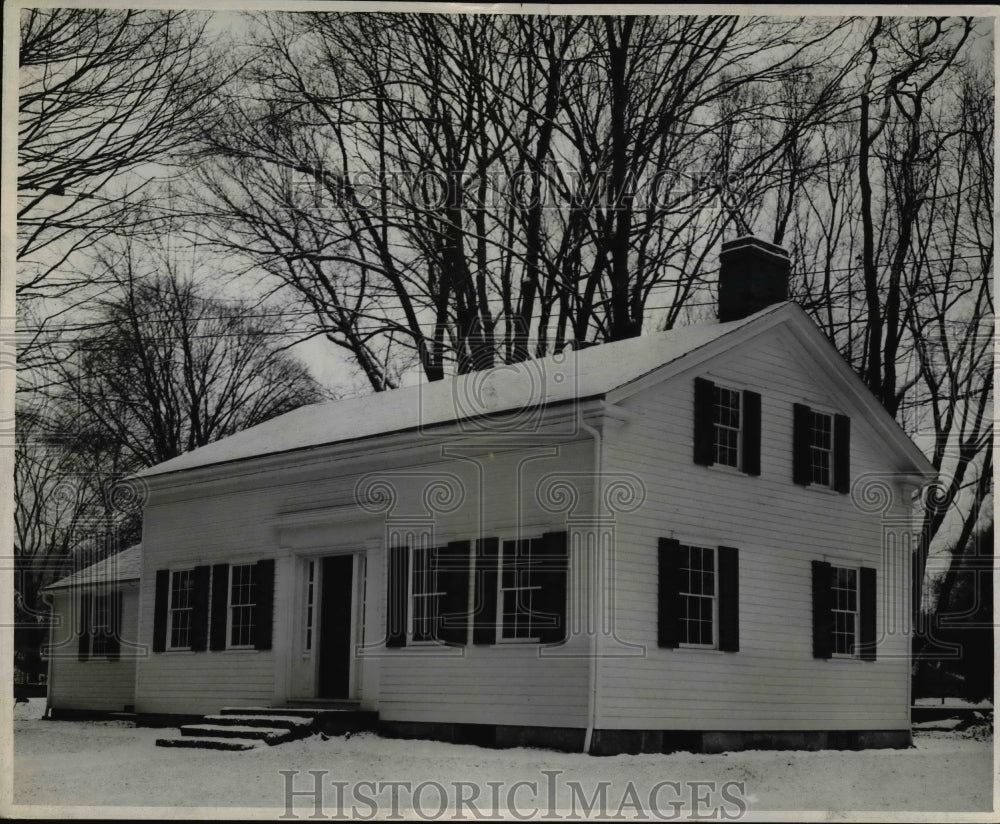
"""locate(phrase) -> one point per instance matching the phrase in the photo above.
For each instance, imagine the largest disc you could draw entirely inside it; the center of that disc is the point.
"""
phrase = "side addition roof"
(123, 566)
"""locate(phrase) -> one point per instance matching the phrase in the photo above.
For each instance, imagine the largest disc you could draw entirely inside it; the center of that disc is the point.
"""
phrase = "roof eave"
(348, 448)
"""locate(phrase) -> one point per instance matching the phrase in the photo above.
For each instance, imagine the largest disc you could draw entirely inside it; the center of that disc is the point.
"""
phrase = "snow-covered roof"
(572, 374)
(124, 566)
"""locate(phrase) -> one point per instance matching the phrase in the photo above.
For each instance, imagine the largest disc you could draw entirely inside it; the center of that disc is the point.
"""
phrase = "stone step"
(237, 744)
(282, 711)
(288, 722)
(324, 703)
(270, 735)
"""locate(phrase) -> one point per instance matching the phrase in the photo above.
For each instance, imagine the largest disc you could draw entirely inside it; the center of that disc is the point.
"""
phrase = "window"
(213, 608)
(698, 596)
(726, 427)
(821, 448)
(307, 643)
(519, 570)
(428, 594)
(241, 605)
(101, 625)
(425, 594)
(181, 588)
(100, 617)
(844, 611)
(519, 594)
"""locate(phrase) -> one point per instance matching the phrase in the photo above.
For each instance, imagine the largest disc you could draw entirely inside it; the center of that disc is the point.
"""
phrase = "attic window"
(727, 426)
(821, 448)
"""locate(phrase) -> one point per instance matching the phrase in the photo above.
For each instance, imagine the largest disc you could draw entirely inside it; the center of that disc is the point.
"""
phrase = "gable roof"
(123, 566)
(572, 375)
(617, 368)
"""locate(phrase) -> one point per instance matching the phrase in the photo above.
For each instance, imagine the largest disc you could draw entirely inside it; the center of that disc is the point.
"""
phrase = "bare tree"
(891, 229)
(479, 176)
(64, 517)
(163, 368)
(108, 100)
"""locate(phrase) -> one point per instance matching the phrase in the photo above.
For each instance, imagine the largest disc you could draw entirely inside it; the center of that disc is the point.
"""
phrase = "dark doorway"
(335, 627)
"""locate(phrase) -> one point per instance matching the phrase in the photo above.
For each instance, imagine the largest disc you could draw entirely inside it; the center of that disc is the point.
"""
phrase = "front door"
(334, 677)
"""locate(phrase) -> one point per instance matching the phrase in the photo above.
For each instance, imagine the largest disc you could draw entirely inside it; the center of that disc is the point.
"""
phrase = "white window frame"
(532, 638)
(684, 593)
(431, 595)
(232, 607)
(718, 427)
(814, 449)
(171, 609)
(837, 610)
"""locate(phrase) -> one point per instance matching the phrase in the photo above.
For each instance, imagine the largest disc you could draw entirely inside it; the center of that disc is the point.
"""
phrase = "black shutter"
(199, 608)
(160, 610)
(801, 443)
(395, 614)
(553, 569)
(729, 599)
(83, 652)
(114, 642)
(704, 422)
(841, 453)
(263, 613)
(868, 598)
(484, 629)
(822, 597)
(751, 433)
(453, 583)
(220, 606)
(668, 593)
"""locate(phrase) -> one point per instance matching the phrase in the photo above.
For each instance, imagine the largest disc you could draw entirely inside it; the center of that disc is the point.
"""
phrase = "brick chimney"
(753, 274)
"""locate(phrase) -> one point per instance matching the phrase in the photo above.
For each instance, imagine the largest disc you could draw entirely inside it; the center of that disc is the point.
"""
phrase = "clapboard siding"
(97, 683)
(779, 528)
(188, 526)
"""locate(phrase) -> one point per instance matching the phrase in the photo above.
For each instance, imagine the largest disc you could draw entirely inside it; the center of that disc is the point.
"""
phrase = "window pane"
(518, 585)
(180, 608)
(698, 595)
(845, 605)
(821, 448)
(241, 605)
(726, 413)
(425, 593)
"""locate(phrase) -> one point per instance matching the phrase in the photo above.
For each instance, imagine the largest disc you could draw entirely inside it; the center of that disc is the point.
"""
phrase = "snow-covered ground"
(112, 764)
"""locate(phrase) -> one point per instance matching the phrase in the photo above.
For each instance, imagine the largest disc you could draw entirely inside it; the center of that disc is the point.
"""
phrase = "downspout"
(49, 669)
(594, 605)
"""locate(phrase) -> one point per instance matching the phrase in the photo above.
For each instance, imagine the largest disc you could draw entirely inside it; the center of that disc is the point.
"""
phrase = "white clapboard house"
(695, 539)
(92, 646)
